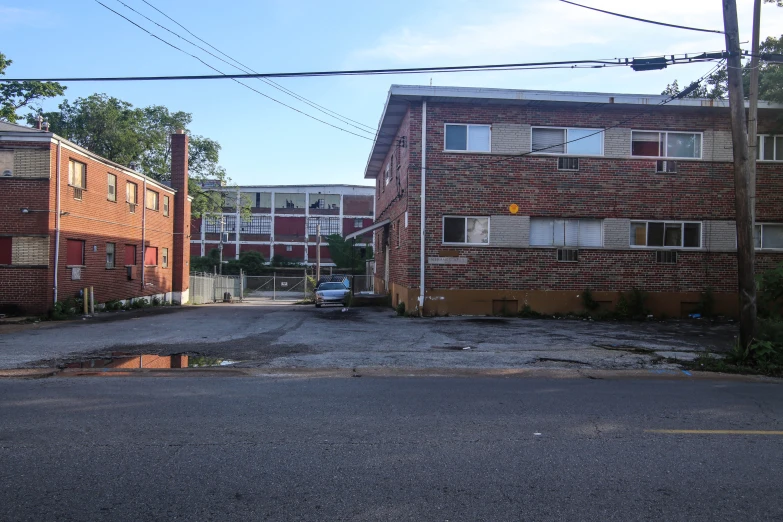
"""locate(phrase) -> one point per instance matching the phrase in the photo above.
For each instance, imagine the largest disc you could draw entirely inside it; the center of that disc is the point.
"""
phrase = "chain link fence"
(212, 288)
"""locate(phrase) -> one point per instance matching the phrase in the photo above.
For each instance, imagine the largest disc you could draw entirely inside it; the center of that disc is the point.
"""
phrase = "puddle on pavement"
(124, 361)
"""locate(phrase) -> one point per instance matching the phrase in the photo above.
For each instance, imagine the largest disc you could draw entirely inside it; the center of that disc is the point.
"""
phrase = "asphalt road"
(290, 336)
(261, 448)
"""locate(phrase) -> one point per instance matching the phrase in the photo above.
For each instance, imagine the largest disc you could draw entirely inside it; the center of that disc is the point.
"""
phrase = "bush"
(156, 301)
(113, 305)
(589, 303)
(528, 312)
(400, 308)
(770, 287)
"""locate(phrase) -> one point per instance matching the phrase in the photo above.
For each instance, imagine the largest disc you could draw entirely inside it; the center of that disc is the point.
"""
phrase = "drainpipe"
(143, 232)
(57, 221)
(423, 194)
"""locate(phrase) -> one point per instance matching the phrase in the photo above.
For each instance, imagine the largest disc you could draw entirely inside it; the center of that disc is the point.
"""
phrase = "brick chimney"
(179, 181)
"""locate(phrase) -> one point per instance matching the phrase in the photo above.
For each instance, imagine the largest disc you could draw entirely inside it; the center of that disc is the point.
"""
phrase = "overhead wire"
(247, 68)
(231, 78)
(644, 19)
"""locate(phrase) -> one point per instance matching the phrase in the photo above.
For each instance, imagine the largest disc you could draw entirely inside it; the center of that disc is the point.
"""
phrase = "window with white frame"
(329, 225)
(577, 142)
(768, 235)
(469, 138)
(665, 234)
(665, 144)
(770, 147)
(212, 224)
(257, 225)
(358, 223)
(387, 175)
(566, 232)
(289, 248)
(466, 230)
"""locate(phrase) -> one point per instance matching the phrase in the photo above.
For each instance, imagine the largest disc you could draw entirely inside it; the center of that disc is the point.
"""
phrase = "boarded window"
(130, 255)
(131, 193)
(74, 252)
(151, 256)
(152, 200)
(166, 206)
(77, 174)
(5, 250)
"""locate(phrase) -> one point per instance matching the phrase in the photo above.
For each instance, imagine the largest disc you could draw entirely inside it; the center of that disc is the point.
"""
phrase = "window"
(151, 256)
(665, 234)
(74, 252)
(77, 174)
(130, 255)
(166, 206)
(578, 142)
(467, 230)
(567, 163)
(387, 176)
(770, 147)
(6, 249)
(164, 257)
(358, 223)
(110, 248)
(131, 195)
(666, 144)
(568, 255)
(112, 182)
(329, 226)
(666, 257)
(768, 235)
(257, 225)
(289, 248)
(153, 199)
(566, 232)
(472, 138)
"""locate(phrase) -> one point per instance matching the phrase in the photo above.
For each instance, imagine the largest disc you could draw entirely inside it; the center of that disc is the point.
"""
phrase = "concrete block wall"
(31, 251)
(31, 163)
(617, 142)
(617, 233)
(510, 138)
(720, 236)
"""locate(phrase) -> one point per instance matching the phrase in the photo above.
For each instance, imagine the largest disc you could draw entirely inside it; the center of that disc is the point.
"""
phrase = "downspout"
(143, 233)
(423, 201)
(57, 221)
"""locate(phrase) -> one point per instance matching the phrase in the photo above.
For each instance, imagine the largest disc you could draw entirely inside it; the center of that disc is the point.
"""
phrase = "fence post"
(305, 284)
(241, 285)
(274, 285)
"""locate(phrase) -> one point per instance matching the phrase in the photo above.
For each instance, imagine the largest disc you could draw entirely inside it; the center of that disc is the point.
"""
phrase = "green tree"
(345, 255)
(125, 134)
(17, 95)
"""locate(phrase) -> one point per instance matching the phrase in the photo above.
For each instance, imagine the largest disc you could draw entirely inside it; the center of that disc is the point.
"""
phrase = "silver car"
(327, 293)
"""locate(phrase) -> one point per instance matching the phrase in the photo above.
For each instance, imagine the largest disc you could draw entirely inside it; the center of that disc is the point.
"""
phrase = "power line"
(231, 76)
(644, 19)
(247, 68)
(678, 59)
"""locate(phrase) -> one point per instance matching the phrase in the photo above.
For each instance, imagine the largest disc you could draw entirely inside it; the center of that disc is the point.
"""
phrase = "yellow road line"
(715, 432)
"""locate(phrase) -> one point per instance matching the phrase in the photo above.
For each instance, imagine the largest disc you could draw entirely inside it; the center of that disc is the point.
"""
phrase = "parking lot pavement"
(273, 335)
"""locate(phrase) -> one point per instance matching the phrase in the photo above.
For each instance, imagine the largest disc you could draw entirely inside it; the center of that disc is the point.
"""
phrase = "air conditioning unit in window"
(132, 208)
(667, 257)
(568, 255)
(77, 193)
(567, 163)
(666, 166)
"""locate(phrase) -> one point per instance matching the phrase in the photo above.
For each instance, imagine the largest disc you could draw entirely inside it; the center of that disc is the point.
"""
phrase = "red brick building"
(529, 197)
(70, 219)
(284, 221)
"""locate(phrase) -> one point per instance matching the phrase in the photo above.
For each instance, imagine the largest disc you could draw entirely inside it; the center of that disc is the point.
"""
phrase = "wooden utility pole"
(753, 110)
(745, 252)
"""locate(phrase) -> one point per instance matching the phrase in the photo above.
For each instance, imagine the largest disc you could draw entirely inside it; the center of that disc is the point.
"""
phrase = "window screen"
(110, 247)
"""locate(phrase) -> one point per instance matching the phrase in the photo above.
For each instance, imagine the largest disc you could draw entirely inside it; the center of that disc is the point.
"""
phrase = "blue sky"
(265, 143)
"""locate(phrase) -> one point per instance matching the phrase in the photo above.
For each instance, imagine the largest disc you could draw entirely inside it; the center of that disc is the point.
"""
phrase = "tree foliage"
(125, 134)
(345, 255)
(17, 95)
(250, 263)
(715, 86)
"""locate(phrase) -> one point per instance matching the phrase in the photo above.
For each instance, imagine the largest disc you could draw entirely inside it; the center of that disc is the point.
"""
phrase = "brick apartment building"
(70, 219)
(285, 220)
(648, 203)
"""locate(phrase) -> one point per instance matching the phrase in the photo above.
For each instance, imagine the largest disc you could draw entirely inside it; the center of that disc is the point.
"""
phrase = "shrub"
(528, 312)
(400, 308)
(156, 301)
(589, 303)
(113, 305)
(770, 287)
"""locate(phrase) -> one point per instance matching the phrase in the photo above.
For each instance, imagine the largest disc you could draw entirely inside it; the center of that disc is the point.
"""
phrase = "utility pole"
(753, 110)
(238, 227)
(745, 252)
(220, 245)
(318, 252)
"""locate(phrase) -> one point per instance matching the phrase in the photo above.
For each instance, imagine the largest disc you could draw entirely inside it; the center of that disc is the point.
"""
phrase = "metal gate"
(278, 288)
(212, 288)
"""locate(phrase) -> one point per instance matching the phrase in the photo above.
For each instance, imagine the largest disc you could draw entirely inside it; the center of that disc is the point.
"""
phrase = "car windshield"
(331, 286)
